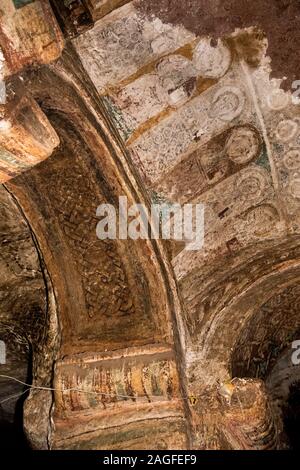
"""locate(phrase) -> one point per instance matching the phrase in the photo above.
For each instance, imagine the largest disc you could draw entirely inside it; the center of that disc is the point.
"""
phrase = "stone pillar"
(26, 137)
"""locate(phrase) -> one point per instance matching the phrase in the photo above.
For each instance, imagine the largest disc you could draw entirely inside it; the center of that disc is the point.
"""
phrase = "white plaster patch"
(278, 100)
(5, 125)
(123, 42)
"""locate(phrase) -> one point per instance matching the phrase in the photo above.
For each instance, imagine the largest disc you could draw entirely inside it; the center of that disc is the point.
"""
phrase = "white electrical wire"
(112, 395)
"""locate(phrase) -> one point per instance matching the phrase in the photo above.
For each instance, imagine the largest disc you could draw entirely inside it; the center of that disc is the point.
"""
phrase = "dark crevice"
(291, 417)
(12, 435)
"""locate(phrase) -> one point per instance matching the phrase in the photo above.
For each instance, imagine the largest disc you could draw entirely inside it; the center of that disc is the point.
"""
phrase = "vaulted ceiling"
(170, 348)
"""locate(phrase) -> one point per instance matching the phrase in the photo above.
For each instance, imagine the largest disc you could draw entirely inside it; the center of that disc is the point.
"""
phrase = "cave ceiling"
(186, 102)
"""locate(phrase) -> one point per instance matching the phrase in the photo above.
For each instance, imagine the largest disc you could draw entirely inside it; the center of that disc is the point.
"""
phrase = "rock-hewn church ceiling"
(147, 344)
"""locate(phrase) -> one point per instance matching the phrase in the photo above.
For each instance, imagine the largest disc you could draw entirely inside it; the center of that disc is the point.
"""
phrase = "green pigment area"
(21, 3)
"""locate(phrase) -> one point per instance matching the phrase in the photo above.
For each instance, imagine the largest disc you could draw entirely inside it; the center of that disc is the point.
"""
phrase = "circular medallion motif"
(243, 145)
(294, 188)
(286, 130)
(227, 103)
(291, 159)
(278, 99)
(250, 184)
(210, 61)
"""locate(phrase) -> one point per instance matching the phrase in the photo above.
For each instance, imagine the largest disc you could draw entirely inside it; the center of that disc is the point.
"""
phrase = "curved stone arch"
(88, 128)
(212, 348)
(257, 349)
(27, 318)
(97, 152)
(214, 342)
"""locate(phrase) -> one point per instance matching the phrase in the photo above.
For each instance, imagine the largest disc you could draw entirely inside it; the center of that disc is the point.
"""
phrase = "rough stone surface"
(169, 348)
(28, 35)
